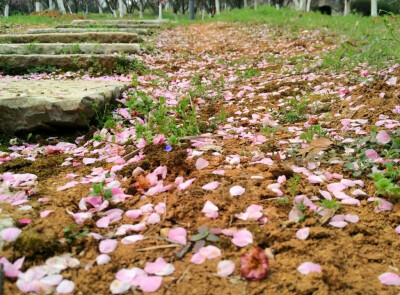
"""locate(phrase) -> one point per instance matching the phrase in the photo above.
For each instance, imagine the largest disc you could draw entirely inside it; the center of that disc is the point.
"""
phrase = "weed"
(330, 204)
(293, 184)
(74, 232)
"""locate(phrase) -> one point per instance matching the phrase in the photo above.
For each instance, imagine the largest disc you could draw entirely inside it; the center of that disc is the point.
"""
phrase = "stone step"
(27, 105)
(102, 37)
(111, 25)
(86, 22)
(17, 64)
(68, 48)
(88, 30)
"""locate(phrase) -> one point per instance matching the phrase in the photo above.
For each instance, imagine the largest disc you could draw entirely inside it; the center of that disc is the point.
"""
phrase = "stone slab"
(19, 63)
(113, 22)
(102, 37)
(68, 48)
(27, 105)
(113, 25)
(88, 30)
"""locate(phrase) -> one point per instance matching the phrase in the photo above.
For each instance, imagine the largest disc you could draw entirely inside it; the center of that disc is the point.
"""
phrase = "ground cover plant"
(246, 158)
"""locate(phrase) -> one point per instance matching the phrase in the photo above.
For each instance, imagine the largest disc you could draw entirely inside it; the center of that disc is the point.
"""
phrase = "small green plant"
(312, 131)
(74, 232)
(385, 186)
(293, 184)
(203, 235)
(330, 204)
(98, 190)
(251, 73)
(294, 111)
(303, 215)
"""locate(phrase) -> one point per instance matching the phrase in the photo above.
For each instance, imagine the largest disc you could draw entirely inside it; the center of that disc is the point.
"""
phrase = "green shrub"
(384, 7)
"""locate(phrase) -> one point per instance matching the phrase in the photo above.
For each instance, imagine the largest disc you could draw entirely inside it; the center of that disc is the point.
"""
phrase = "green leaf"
(199, 236)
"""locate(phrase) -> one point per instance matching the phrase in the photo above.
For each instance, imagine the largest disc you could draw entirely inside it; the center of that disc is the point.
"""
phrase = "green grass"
(360, 39)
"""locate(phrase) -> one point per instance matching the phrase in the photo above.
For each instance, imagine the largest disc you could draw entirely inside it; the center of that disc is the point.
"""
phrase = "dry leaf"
(316, 146)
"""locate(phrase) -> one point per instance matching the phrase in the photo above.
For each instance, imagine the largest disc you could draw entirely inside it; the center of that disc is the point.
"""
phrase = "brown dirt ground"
(351, 258)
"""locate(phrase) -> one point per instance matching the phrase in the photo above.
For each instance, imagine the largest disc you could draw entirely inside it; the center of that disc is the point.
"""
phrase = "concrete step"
(112, 25)
(88, 30)
(86, 22)
(17, 64)
(102, 37)
(68, 48)
(27, 105)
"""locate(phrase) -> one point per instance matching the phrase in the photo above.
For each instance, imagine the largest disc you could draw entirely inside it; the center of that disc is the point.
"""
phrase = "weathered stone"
(68, 48)
(112, 25)
(27, 105)
(87, 30)
(113, 22)
(102, 37)
(13, 63)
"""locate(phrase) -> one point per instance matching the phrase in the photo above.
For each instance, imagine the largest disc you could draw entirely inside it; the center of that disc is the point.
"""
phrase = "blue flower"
(168, 148)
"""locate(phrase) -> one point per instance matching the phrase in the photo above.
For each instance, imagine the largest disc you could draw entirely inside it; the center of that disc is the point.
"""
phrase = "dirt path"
(242, 79)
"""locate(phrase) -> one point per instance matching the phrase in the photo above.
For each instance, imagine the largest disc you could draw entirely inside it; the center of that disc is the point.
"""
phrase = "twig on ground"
(158, 247)
(131, 154)
(183, 274)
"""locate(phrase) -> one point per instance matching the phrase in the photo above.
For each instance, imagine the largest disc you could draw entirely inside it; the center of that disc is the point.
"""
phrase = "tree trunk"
(346, 7)
(374, 8)
(191, 9)
(308, 5)
(6, 10)
(51, 5)
(100, 9)
(245, 3)
(217, 8)
(160, 11)
(203, 12)
(61, 6)
(255, 4)
(37, 6)
(176, 16)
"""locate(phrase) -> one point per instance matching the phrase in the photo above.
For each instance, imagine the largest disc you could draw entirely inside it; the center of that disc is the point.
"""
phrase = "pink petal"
(371, 154)
(119, 287)
(326, 194)
(134, 213)
(160, 208)
(132, 239)
(178, 235)
(315, 179)
(103, 259)
(210, 252)
(150, 284)
(335, 187)
(339, 224)
(352, 218)
(236, 190)
(303, 233)
(10, 234)
(219, 172)
(159, 267)
(210, 210)
(201, 163)
(103, 222)
(108, 246)
(225, 268)
(67, 186)
(383, 137)
(242, 238)
(45, 213)
(306, 267)
(65, 287)
(339, 217)
(88, 161)
(398, 229)
(390, 279)
(210, 186)
(154, 218)
(197, 258)
(185, 185)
